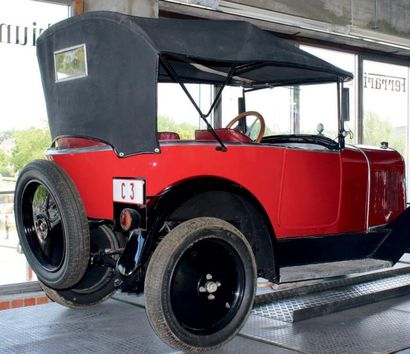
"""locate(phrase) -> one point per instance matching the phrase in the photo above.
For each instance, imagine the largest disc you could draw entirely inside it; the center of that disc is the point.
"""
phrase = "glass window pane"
(177, 114)
(24, 133)
(323, 98)
(385, 101)
(385, 106)
(70, 63)
(318, 105)
(275, 105)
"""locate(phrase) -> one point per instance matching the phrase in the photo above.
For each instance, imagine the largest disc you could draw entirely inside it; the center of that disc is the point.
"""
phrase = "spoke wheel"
(97, 284)
(51, 224)
(200, 284)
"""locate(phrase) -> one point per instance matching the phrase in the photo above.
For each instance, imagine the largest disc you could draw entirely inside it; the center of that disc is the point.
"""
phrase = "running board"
(334, 269)
(296, 304)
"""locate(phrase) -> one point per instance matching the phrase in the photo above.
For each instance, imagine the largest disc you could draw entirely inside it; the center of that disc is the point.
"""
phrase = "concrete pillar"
(144, 8)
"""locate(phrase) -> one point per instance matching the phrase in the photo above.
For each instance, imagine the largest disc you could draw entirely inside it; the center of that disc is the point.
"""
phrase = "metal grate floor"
(317, 304)
(121, 326)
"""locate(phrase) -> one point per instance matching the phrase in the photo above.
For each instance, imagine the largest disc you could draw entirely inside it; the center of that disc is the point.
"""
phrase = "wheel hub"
(41, 226)
(209, 287)
(45, 235)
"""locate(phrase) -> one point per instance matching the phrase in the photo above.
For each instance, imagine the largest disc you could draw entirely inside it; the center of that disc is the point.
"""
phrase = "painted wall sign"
(384, 82)
(20, 35)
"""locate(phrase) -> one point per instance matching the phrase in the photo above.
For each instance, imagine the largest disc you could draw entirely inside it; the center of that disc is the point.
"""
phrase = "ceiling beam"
(313, 31)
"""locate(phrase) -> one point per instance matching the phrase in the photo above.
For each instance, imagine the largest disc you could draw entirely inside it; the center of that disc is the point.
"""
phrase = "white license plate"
(128, 191)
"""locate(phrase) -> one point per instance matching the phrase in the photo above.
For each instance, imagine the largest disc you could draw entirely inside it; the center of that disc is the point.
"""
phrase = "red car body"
(303, 192)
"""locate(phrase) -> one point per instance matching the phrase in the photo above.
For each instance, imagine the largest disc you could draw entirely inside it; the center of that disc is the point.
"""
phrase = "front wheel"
(200, 284)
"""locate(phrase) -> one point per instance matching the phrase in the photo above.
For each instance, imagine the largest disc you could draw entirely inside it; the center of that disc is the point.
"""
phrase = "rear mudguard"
(191, 199)
(397, 241)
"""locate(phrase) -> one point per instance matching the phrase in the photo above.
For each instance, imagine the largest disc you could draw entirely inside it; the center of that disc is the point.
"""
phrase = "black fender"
(213, 197)
(397, 241)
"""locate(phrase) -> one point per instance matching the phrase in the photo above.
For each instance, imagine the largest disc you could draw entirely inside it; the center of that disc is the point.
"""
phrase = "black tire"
(52, 224)
(97, 284)
(200, 259)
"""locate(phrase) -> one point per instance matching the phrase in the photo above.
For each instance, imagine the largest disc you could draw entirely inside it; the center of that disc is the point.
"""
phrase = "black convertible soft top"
(114, 99)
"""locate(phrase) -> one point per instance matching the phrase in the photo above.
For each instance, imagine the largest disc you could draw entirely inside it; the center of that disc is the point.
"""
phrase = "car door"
(310, 193)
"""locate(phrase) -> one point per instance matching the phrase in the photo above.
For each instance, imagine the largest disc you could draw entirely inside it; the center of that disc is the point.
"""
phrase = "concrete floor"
(120, 326)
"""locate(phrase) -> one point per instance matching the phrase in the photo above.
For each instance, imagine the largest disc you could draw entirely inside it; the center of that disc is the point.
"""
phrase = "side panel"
(327, 207)
(256, 168)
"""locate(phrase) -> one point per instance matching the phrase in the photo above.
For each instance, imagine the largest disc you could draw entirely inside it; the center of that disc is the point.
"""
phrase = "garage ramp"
(324, 297)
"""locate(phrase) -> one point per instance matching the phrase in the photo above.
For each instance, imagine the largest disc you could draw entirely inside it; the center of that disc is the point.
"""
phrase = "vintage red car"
(192, 223)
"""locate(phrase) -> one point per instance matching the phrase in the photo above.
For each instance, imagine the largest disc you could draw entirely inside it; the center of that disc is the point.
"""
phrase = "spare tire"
(97, 284)
(52, 224)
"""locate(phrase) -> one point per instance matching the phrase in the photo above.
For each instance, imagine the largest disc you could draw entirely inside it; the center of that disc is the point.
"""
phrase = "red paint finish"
(354, 190)
(310, 195)
(304, 192)
(387, 190)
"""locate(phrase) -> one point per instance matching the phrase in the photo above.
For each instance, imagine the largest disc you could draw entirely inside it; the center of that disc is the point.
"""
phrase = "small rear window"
(70, 63)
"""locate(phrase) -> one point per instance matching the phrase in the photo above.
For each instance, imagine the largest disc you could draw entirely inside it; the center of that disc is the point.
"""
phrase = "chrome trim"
(69, 151)
(57, 151)
(405, 173)
(368, 184)
(376, 227)
(240, 144)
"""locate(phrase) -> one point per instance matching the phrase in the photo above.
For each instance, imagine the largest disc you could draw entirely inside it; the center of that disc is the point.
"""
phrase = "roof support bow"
(203, 116)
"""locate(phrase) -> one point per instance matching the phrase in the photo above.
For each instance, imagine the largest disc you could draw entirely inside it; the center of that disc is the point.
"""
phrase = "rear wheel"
(200, 284)
(51, 224)
(97, 284)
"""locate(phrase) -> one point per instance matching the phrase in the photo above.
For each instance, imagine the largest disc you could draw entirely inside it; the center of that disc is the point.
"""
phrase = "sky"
(21, 95)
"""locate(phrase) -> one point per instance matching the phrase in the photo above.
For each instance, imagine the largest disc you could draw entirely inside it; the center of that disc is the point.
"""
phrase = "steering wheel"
(258, 118)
